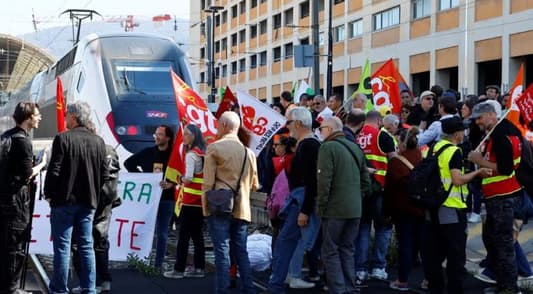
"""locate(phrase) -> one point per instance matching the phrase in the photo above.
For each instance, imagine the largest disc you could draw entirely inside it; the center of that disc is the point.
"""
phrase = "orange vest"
(368, 141)
(192, 192)
(500, 185)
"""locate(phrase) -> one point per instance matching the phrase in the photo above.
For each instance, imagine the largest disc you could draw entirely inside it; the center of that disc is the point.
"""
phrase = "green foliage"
(142, 265)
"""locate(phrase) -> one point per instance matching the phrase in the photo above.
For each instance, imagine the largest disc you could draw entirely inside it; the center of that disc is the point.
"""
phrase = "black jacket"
(18, 166)
(77, 170)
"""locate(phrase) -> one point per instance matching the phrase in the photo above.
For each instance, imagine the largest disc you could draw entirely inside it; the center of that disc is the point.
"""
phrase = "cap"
(481, 108)
(427, 93)
(384, 110)
(493, 87)
(452, 125)
(497, 107)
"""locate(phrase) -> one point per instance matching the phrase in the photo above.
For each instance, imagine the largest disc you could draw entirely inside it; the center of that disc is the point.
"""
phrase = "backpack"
(425, 187)
(280, 191)
(524, 172)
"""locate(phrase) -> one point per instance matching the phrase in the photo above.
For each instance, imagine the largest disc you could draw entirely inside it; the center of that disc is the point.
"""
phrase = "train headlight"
(121, 130)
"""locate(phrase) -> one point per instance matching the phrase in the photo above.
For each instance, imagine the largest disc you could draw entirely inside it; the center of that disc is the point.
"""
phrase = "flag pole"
(491, 130)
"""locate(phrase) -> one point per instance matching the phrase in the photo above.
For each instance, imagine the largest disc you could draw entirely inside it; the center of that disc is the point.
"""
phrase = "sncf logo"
(156, 114)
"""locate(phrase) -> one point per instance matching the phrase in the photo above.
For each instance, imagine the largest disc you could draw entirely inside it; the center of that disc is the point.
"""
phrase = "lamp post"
(330, 52)
(316, 49)
(211, 50)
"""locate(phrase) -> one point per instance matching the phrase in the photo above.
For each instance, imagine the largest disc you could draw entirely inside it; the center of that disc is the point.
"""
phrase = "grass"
(142, 265)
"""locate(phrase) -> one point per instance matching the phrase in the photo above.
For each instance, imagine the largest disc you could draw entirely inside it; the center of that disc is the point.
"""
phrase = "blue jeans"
(164, 216)
(223, 230)
(309, 235)
(382, 236)
(338, 251)
(63, 220)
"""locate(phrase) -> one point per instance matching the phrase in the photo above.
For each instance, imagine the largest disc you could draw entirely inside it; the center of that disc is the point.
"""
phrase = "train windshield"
(143, 78)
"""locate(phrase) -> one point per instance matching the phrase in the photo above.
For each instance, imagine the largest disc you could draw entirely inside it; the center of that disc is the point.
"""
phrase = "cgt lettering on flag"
(262, 142)
(257, 126)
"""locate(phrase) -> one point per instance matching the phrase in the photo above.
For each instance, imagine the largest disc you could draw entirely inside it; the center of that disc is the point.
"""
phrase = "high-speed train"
(126, 80)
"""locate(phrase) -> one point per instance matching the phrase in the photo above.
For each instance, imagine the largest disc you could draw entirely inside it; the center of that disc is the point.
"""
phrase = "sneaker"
(396, 285)
(474, 218)
(482, 277)
(287, 280)
(361, 275)
(173, 274)
(76, 290)
(523, 278)
(297, 283)
(494, 290)
(104, 287)
(313, 278)
(379, 273)
(195, 273)
(424, 285)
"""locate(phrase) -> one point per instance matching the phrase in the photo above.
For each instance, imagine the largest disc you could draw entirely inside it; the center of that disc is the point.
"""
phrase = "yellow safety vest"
(457, 194)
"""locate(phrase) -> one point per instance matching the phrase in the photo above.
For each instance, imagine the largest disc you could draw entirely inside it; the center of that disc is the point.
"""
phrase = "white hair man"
(223, 168)
(301, 224)
(359, 101)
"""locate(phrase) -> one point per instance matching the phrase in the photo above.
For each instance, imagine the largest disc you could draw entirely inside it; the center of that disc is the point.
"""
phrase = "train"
(126, 79)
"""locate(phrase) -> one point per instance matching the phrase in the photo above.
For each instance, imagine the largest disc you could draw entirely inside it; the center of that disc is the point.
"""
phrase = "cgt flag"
(227, 102)
(386, 83)
(60, 106)
(525, 104)
(260, 120)
(515, 92)
(191, 110)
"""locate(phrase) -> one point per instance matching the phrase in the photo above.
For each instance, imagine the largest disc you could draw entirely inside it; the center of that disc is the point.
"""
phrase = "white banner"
(259, 119)
(132, 223)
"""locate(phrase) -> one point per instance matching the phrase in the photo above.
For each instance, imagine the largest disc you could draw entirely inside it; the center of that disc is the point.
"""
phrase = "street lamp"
(211, 51)
(330, 53)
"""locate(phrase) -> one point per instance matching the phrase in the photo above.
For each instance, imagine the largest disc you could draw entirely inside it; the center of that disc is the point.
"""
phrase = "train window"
(81, 81)
(143, 78)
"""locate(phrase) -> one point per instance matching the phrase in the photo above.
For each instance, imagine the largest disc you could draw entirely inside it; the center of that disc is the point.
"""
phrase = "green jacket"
(341, 185)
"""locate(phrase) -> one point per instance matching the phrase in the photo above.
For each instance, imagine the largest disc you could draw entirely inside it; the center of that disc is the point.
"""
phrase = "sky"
(16, 15)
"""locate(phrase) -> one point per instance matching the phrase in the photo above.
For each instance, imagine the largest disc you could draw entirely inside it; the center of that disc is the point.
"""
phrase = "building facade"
(459, 44)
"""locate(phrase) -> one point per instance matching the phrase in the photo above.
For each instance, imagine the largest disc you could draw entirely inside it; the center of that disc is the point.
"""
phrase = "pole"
(211, 56)
(330, 52)
(316, 53)
(491, 130)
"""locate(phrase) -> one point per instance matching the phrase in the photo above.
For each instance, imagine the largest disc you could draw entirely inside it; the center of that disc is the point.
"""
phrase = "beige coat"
(223, 161)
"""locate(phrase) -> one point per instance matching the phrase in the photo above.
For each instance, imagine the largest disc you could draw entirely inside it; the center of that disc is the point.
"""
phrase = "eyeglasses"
(324, 127)
(317, 103)
(288, 122)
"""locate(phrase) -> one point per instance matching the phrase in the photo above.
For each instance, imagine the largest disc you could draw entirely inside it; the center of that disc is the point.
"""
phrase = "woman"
(191, 210)
(283, 149)
(408, 219)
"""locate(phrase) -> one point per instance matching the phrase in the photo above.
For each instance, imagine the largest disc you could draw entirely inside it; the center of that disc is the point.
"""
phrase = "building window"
(217, 20)
(421, 8)
(224, 16)
(217, 72)
(225, 70)
(217, 46)
(304, 41)
(339, 33)
(355, 28)
(202, 53)
(276, 21)
(276, 53)
(338, 1)
(263, 58)
(288, 50)
(263, 27)
(288, 16)
(224, 44)
(202, 77)
(387, 18)
(253, 31)
(234, 11)
(253, 61)
(263, 1)
(304, 9)
(234, 39)
(242, 7)
(234, 67)
(242, 36)
(321, 5)
(242, 65)
(447, 4)
(253, 3)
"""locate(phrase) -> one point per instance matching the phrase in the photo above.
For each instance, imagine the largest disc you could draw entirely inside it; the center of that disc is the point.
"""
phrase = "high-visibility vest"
(192, 192)
(501, 185)
(368, 141)
(458, 194)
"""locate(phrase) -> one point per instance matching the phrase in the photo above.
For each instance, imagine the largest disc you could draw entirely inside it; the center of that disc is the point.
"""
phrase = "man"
(407, 98)
(390, 124)
(222, 170)
(359, 101)
(447, 232)
(303, 100)
(335, 103)
(321, 110)
(379, 146)
(154, 159)
(15, 192)
(286, 101)
(343, 180)
(501, 191)
(301, 224)
(422, 111)
(354, 122)
(76, 174)
(492, 92)
(447, 109)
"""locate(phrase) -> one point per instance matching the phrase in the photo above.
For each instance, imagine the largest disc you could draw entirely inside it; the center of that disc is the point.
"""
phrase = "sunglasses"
(317, 103)
(324, 127)
(428, 98)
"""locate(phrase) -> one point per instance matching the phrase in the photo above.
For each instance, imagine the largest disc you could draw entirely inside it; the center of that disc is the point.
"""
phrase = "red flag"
(191, 109)
(227, 102)
(60, 106)
(525, 104)
(386, 87)
(515, 92)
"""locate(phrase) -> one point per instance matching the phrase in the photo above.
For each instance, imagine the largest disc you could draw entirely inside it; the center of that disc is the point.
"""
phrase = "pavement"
(127, 280)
